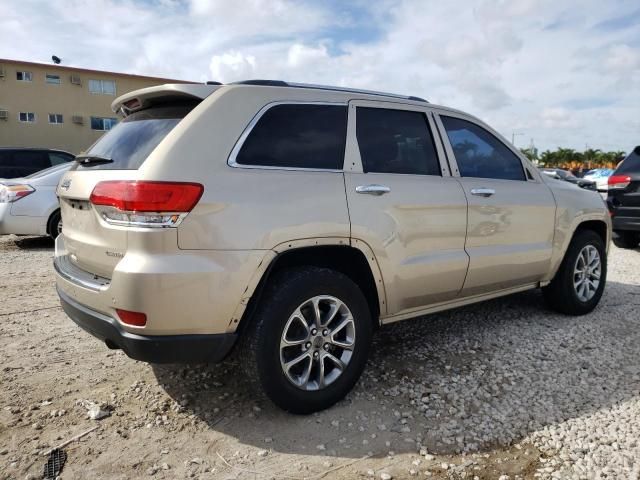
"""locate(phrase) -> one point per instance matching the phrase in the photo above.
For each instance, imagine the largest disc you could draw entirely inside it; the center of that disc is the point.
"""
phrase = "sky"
(559, 73)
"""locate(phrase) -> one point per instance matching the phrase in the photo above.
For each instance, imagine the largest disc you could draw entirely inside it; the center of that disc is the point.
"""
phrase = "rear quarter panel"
(245, 208)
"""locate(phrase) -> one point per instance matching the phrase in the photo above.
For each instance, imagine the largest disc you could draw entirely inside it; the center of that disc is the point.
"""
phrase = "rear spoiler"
(146, 97)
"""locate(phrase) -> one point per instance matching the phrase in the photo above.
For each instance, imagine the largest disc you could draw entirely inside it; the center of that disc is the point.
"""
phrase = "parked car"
(567, 176)
(18, 162)
(623, 200)
(601, 177)
(291, 220)
(29, 205)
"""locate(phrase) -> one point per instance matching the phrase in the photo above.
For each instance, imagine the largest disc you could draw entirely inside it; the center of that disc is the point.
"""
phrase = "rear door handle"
(373, 189)
(483, 192)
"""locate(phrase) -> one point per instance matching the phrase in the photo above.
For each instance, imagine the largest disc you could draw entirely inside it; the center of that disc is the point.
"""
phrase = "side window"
(57, 158)
(32, 159)
(395, 141)
(6, 158)
(297, 136)
(480, 154)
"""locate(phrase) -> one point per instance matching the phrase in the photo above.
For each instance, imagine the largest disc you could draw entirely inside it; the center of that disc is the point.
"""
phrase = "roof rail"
(264, 83)
(281, 83)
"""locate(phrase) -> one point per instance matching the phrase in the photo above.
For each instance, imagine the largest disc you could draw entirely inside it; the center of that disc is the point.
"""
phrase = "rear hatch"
(90, 242)
(624, 187)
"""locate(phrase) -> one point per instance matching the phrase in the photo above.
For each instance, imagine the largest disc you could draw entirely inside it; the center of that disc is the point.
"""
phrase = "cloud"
(623, 59)
(302, 55)
(556, 117)
(232, 66)
(538, 66)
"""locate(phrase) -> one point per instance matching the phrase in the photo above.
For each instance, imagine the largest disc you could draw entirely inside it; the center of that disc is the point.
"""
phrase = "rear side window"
(31, 159)
(56, 158)
(395, 141)
(131, 141)
(480, 154)
(5, 157)
(297, 136)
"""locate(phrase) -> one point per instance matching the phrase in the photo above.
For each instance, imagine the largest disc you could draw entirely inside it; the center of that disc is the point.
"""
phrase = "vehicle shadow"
(465, 380)
(34, 243)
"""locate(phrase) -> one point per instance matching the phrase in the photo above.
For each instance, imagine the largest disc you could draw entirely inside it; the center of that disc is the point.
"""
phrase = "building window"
(27, 117)
(53, 79)
(55, 118)
(24, 76)
(100, 123)
(105, 87)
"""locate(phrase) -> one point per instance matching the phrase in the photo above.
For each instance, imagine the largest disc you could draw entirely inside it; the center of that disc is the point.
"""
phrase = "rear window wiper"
(86, 159)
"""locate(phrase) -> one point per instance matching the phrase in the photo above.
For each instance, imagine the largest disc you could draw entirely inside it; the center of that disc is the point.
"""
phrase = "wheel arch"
(49, 218)
(356, 262)
(597, 224)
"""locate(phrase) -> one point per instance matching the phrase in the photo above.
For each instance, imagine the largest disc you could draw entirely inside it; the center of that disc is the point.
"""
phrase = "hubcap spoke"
(321, 383)
(316, 312)
(336, 361)
(296, 360)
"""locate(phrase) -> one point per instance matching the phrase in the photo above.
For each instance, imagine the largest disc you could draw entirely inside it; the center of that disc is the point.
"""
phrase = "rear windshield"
(131, 141)
(631, 164)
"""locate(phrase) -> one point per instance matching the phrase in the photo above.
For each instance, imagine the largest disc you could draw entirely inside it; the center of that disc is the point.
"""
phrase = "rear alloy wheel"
(308, 340)
(579, 283)
(626, 239)
(317, 343)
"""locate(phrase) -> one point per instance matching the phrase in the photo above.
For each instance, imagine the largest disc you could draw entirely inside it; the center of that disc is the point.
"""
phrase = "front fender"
(574, 207)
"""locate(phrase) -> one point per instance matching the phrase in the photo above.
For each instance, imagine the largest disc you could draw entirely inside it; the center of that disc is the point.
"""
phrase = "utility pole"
(513, 137)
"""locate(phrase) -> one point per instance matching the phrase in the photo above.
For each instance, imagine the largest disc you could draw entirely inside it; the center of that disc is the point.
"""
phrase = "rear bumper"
(626, 223)
(198, 348)
(20, 224)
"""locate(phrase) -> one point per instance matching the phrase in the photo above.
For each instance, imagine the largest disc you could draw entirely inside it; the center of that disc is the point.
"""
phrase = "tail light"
(619, 182)
(13, 193)
(145, 203)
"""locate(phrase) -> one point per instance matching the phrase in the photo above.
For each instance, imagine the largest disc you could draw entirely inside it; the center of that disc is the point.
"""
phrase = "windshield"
(131, 141)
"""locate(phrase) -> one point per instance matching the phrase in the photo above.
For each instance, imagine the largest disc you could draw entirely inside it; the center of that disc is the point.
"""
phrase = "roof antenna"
(55, 59)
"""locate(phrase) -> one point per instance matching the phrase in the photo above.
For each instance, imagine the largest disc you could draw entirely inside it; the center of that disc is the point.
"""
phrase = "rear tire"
(54, 225)
(573, 291)
(291, 297)
(626, 239)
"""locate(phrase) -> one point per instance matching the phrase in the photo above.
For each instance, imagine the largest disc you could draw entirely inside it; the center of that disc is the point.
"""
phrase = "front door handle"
(373, 189)
(483, 192)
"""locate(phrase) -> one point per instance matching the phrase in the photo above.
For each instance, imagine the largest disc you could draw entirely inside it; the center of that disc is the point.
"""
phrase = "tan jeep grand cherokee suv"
(291, 220)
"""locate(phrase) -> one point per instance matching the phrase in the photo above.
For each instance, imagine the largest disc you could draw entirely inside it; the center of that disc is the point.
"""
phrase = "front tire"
(626, 239)
(579, 283)
(308, 341)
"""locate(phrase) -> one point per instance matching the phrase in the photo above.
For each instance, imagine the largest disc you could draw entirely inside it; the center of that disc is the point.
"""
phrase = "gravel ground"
(504, 389)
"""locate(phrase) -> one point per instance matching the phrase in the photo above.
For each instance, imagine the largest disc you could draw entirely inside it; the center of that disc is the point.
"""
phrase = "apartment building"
(54, 106)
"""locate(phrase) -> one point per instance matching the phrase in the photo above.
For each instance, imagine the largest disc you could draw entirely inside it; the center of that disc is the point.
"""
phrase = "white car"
(29, 205)
(601, 177)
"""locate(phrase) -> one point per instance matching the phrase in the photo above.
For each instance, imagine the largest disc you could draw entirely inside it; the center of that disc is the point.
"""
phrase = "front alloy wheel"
(586, 273)
(579, 283)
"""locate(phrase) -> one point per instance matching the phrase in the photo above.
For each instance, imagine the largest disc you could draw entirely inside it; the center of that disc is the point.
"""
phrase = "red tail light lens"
(135, 319)
(133, 196)
(619, 181)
